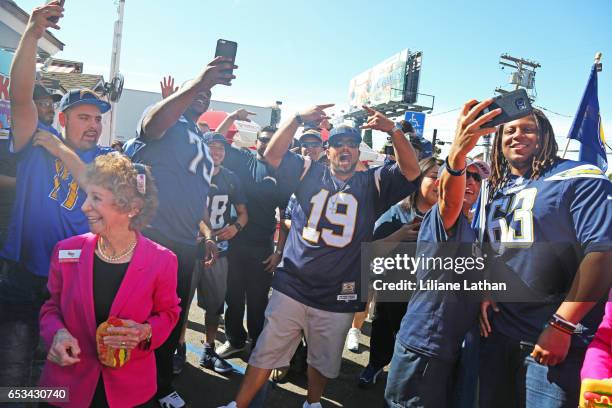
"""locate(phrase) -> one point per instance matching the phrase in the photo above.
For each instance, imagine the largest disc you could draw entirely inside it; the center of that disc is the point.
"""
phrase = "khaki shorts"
(286, 319)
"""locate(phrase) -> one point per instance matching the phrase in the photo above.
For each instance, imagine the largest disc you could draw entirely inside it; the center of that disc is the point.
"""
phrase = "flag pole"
(598, 67)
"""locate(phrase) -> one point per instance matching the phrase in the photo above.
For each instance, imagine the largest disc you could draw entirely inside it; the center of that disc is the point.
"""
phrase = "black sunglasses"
(352, 144)
(475, 176)
(311, 144)
(264, 139)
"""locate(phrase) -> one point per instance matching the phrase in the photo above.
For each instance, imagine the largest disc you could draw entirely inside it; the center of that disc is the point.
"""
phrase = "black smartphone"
(55, 19)
(227, 49)
(514, 105)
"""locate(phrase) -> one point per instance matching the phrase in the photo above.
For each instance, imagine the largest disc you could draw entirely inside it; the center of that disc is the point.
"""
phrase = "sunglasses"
(475, 176)
(264, 140)
(352, 144)
(311, 144)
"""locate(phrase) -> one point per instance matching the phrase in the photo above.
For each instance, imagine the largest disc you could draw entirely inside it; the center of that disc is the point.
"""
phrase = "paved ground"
(204, 388)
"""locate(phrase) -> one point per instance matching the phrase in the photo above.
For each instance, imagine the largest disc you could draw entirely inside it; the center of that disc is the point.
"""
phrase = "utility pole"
(524, 74)
(115, 60)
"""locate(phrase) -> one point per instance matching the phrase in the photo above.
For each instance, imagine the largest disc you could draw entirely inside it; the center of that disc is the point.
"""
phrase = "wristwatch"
(392, 131)
(238, 226)
(278, 252)
(452, 171)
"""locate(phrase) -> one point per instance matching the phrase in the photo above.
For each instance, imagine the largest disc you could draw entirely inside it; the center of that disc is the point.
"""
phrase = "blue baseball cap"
(344, 130)
(76, 97)
(210, 137)
(311, 133)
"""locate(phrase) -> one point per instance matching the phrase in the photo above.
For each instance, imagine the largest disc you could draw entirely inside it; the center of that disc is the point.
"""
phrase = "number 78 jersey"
(329, 221)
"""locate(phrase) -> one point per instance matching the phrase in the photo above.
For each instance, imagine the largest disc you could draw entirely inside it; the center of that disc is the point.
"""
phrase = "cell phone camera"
(520, 104)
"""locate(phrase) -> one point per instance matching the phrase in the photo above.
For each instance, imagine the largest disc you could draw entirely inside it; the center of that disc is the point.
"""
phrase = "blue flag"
(587, 127)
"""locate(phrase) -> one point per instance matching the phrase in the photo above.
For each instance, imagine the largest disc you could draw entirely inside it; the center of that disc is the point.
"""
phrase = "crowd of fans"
(105, 249)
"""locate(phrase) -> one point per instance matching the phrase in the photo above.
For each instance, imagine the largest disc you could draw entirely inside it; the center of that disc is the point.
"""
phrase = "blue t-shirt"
(330, 220)
(225, 191)
(539, 232)
(182, 168)
(262, 193)
(47, 206)
(436, 322)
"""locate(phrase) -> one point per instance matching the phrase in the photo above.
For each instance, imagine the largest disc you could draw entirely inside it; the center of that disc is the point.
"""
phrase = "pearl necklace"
(115, 258)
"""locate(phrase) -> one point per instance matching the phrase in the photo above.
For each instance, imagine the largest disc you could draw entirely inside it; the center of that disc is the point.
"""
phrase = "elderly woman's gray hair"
(116, 173)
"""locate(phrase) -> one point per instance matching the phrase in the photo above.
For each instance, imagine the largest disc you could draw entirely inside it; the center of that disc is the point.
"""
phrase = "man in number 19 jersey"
(316, 288)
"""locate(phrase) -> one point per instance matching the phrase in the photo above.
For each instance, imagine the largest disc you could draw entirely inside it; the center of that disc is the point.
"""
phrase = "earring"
(130, 215)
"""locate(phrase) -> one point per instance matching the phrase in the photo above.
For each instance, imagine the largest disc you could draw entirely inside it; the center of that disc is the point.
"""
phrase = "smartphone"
(227, 49)
(514, 105)
(55, 19)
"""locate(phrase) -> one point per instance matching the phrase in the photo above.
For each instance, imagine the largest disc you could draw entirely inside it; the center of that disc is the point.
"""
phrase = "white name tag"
(69, 255)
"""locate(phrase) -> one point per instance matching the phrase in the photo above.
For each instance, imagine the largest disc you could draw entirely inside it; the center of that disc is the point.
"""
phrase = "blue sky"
(305, 52)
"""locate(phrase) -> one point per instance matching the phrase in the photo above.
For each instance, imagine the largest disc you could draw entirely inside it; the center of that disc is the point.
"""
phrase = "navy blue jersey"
(262, 194)
(539, 232)
(182, 169)
(47, 206)
(330, 220)
(225, 191)
(436, 322)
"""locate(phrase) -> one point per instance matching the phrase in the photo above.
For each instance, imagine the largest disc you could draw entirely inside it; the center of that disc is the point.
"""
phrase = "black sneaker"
(368, 376)
(179, 358)
(212, 361)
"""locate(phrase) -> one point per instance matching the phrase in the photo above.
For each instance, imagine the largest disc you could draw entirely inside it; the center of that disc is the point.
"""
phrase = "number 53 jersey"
(539, 231)
(329, 221)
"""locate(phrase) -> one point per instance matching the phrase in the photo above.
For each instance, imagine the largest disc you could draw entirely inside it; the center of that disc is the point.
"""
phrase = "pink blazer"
(147, 293)
(598, 358)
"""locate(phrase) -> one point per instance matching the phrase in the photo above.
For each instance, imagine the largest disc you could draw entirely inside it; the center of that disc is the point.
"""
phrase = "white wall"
(133, 102)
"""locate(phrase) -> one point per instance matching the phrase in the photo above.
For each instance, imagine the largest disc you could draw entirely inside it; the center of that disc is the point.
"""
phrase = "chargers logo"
(582, 171)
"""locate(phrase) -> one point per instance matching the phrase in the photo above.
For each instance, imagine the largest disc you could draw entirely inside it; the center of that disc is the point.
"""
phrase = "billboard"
(381, 84)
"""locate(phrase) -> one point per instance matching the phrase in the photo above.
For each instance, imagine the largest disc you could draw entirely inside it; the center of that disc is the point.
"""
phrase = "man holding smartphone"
(171, 143)
(549, 225)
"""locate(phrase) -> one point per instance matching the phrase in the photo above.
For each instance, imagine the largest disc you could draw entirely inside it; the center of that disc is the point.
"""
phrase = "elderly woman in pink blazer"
(598, 359)
(112, 271)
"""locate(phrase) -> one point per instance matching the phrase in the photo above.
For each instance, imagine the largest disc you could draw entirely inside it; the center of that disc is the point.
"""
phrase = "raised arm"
(165, 113)
(404, 153)
(281, 140)
(24, 116)
(452, 188)
(240, 114)
(58, 149)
